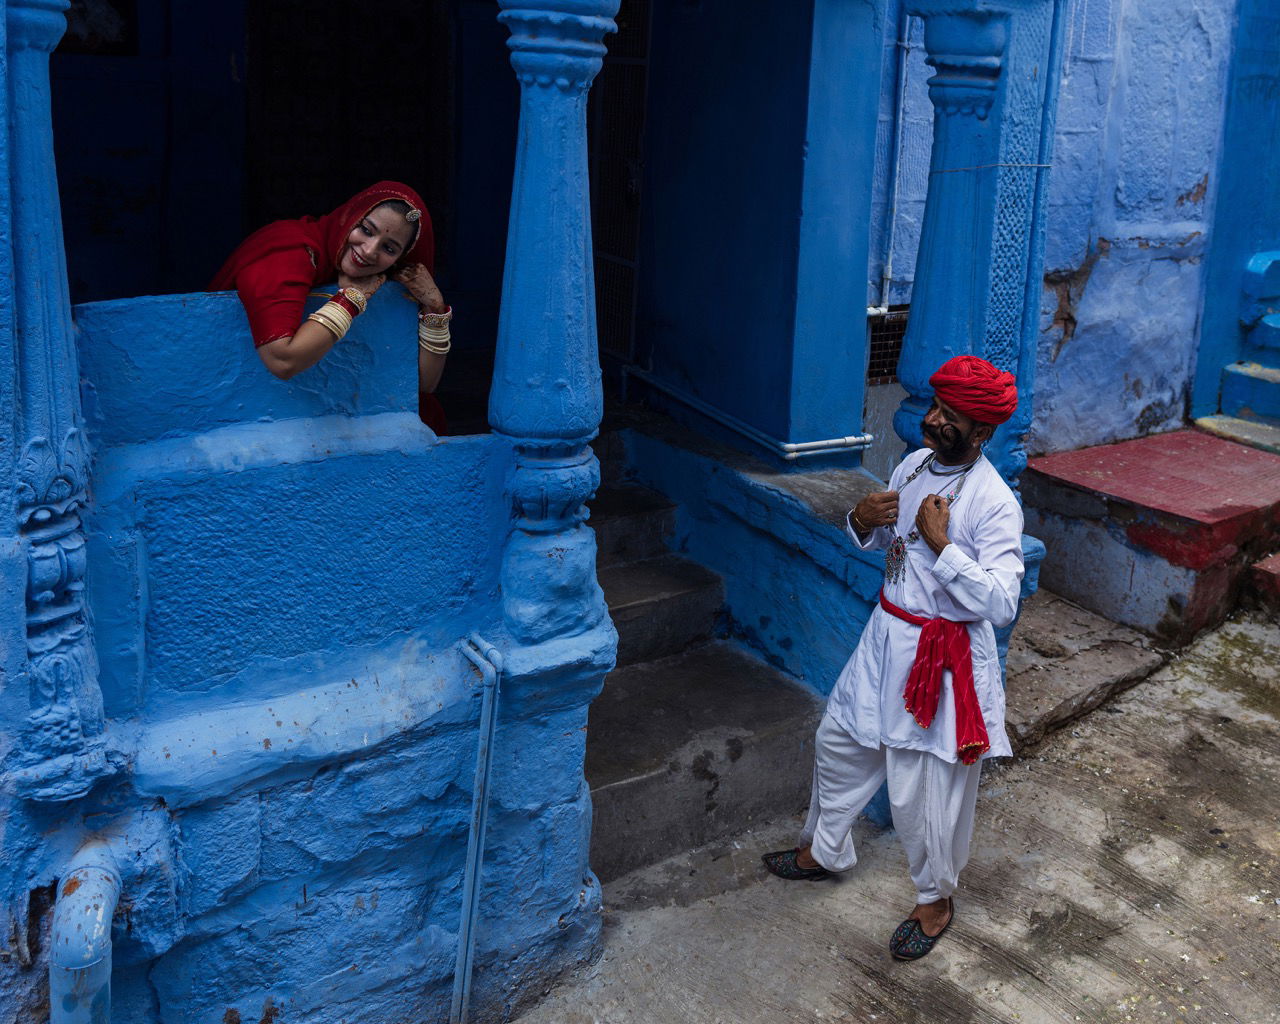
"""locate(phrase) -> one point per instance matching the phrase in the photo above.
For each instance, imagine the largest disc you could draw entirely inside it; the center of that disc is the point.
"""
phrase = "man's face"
(947, 432)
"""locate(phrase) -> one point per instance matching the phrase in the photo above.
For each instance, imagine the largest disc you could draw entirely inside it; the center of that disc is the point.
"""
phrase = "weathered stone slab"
(1063, 662)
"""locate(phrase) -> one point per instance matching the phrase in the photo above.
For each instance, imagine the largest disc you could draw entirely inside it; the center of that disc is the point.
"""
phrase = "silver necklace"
(895, 562)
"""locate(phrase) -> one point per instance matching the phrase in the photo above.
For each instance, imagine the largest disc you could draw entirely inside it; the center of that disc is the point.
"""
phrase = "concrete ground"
(1127, 869)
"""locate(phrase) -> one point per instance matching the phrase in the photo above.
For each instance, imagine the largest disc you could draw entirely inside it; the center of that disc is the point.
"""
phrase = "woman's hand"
(422, 286)
(367, 285)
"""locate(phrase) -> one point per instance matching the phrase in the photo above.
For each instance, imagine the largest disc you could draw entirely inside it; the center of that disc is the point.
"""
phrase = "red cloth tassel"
(943, 644)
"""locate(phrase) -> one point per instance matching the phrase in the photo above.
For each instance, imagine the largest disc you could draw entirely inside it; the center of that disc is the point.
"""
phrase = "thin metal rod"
(485, 657)
(903, 45)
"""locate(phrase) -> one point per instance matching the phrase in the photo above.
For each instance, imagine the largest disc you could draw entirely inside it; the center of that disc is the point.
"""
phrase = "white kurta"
(976, 579)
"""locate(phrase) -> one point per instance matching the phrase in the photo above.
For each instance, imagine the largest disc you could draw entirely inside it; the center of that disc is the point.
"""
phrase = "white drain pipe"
(80, 957)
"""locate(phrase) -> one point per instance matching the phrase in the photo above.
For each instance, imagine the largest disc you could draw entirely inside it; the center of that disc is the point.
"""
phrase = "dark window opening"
(885, 332)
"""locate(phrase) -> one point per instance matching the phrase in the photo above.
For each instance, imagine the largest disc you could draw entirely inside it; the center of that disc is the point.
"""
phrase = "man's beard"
(949, 443)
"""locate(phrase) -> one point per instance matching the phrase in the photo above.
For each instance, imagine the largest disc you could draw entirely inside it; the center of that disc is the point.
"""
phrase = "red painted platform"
(1184, 473)
(1183, 516)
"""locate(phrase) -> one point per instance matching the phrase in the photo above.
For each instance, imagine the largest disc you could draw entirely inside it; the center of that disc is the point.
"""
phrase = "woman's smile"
(379, 238)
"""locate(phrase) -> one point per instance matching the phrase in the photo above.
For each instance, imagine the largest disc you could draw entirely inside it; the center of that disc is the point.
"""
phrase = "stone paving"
(1126, 869)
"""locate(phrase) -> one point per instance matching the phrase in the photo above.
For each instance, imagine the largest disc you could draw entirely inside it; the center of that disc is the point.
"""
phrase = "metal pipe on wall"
(902, 44)
(80, 953)
(488, 660)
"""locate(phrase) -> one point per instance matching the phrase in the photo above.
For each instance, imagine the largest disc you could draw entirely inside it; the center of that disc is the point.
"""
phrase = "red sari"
(278, 266)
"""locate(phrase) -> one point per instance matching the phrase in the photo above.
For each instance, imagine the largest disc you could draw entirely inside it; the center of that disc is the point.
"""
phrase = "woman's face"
(377, 241)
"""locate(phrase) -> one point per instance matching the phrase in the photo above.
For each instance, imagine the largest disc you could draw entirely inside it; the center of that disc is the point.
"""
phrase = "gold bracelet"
(358, 298)
(858, 524)
(427, 319)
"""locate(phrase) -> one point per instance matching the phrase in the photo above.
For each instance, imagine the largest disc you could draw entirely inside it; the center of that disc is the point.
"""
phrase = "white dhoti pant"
(932, 802)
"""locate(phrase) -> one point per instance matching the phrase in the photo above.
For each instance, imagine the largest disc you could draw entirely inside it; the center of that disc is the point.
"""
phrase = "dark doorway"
(616, 120)
(340, 99)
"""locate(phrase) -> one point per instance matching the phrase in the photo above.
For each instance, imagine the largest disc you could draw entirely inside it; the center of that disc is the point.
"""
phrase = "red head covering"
(976, 388)
(277, 266)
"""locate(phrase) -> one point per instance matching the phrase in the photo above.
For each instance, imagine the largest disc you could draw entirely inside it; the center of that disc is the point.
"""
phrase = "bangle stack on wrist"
(337, 314)
(433, 332)
(353, 300)
(333, 317)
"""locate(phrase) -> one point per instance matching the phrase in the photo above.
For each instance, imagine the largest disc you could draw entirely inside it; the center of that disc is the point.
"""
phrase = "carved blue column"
(966, 48)
(546, 395)
(978, 281)
(62, 753)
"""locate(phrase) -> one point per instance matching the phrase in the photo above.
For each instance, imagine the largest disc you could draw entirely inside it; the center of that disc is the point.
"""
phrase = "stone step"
(611, 450)
(660, 605)
(1251, 432)
(1063, 662)
(683, 749)
(1251, 391)
(1156, 533)
(631, 523)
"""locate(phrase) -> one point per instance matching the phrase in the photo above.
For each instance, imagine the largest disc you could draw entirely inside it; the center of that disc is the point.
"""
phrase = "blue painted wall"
(1130, 212)
(1247, 218)
(1130, 216)
(759, 150)
(278, 578)
(804, 594)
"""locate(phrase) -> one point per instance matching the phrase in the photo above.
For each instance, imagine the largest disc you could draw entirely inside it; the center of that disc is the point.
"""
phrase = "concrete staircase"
(1249, 392)
(692, 738)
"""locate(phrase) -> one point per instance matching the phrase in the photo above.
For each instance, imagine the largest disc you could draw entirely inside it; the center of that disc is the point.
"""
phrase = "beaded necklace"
(895, 563)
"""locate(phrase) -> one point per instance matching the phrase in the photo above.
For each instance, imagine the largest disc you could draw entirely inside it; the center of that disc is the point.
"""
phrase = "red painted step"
(1157, 532)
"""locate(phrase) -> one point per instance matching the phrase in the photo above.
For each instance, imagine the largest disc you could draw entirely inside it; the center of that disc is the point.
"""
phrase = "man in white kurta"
(953, 530)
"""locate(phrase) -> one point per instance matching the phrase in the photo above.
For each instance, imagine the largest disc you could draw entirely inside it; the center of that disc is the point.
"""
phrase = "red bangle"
(346, 304)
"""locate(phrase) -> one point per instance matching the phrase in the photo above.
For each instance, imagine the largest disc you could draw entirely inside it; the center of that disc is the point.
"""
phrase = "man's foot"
(919, 933)
(795, 865)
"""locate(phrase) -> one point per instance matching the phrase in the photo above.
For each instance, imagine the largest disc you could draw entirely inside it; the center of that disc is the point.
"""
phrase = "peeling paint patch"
(1069, 286)
(1197, 193)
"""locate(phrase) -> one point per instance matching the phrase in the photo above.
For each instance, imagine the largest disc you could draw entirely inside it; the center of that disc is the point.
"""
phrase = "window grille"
(885, 332)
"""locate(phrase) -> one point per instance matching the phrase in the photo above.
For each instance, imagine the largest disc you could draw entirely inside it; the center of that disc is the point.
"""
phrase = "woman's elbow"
(278, 362)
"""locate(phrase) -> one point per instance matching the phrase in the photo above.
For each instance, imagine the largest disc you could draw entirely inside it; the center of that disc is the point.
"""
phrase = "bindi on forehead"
(390, 223)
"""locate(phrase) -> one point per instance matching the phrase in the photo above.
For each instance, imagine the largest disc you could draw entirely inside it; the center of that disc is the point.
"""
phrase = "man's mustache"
(946, 434)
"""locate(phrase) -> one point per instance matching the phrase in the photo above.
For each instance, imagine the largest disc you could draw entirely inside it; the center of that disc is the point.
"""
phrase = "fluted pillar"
(546, 395)
(948, 300)
(61, 755)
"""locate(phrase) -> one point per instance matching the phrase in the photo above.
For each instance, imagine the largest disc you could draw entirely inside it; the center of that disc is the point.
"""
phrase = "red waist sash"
(944, 644)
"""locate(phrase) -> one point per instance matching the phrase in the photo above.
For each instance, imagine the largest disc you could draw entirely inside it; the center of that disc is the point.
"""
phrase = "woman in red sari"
(385, 231)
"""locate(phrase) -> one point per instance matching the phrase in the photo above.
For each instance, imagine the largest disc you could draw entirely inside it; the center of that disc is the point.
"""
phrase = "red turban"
(976, 388)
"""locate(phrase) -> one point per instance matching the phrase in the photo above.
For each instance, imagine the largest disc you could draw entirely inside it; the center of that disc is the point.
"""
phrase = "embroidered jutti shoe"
(909, 941)
(783, 864)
